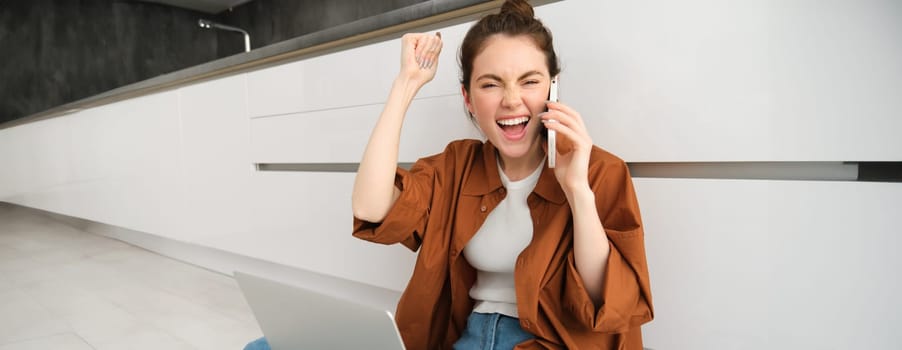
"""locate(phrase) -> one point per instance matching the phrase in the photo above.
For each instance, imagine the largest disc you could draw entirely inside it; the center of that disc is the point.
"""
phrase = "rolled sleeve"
(405, 222)
(623, 305)
(626, 293)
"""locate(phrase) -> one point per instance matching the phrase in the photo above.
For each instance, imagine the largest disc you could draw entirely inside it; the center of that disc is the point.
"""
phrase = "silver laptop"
(298, 318)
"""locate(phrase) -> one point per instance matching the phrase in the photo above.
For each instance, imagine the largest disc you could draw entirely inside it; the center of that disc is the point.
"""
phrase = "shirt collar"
(484, 178)
(549, 188)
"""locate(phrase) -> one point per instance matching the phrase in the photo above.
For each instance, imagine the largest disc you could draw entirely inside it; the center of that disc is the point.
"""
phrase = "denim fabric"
(259, 344)
(484, 332)
(491, 332)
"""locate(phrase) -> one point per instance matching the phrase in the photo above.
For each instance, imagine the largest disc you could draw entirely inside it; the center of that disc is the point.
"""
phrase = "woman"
(513, 254)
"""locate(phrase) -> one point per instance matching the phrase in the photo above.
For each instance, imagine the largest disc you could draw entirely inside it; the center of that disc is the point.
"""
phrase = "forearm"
(590, 243)
(374, 191)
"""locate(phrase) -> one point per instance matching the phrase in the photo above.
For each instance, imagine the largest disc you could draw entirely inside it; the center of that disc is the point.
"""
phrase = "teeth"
(513, 121)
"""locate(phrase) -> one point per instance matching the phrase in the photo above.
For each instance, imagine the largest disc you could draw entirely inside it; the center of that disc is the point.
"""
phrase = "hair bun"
(517, 7)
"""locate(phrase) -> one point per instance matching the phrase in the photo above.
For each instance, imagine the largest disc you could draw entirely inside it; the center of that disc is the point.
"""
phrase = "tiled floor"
(61, 288)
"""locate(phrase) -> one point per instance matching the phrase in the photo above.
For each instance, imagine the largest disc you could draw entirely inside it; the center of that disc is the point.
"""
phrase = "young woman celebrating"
(512, 254)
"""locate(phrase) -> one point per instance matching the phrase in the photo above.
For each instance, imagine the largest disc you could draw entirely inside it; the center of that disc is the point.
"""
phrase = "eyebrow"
(495, 77)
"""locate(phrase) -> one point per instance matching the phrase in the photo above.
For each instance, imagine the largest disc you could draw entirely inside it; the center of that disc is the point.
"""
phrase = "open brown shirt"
(444, 200)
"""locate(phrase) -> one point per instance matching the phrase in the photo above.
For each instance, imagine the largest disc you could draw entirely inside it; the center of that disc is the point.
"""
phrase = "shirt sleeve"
(405, 222)
(626, 296)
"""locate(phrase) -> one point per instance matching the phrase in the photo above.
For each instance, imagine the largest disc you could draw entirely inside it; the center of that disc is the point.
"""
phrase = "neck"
(519, 168)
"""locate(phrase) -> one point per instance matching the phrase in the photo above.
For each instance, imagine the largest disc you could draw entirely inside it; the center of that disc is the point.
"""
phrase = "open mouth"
(513, 128)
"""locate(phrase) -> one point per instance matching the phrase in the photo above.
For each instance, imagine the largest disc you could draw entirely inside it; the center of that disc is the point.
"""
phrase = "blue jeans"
(491, 332)
(484, 331)
(259, 344)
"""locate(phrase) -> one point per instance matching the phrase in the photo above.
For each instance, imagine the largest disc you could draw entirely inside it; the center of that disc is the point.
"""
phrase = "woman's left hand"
(574, 146)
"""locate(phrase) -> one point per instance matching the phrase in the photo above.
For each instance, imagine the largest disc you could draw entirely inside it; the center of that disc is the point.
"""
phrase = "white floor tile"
(23, 278)
(7, 252)
(204, 329)
(62, 288)
(143, 338)
(23, 318)
(64, 299)
(89, 275)
(104, 326)
(228, 301)
(65, 341)
(19, 263)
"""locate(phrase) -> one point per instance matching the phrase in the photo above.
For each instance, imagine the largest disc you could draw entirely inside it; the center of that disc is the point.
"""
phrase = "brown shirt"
(444, 200)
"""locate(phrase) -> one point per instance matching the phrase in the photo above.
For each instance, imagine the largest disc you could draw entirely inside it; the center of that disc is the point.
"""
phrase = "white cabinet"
(303, 219)
(123, 164)
(354, 77)
(340, 135)
(215, 161)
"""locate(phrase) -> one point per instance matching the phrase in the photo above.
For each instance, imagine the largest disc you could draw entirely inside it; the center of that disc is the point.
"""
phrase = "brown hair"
(515, 18)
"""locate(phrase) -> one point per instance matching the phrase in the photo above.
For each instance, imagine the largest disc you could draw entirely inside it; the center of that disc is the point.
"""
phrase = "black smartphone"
(552, 135)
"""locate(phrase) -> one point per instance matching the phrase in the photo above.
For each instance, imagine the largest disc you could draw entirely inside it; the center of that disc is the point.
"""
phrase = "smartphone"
(552, 135)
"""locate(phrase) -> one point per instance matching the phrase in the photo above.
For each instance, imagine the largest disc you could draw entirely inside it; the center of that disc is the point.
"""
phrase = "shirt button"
(482, 209)
(502, 190)
(525, 323)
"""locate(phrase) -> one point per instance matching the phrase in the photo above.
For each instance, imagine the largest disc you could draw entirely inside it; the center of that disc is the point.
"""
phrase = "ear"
(467, 102)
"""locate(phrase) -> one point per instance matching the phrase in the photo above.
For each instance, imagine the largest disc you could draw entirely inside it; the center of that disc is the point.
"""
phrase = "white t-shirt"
(493, 251)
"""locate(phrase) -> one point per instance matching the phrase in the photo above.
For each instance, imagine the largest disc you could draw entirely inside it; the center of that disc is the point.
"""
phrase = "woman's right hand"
(419, 56)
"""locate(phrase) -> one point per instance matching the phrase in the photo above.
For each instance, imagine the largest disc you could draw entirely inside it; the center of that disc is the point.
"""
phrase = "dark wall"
(60, 51)
(53, 52)
(272, 21)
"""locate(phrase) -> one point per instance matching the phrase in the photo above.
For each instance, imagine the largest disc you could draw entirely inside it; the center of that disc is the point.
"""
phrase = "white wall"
(735, 264)
(705, 80)
(745, 264)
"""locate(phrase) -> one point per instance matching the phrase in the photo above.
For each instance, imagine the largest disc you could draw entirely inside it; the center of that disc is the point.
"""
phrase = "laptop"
(298, 318)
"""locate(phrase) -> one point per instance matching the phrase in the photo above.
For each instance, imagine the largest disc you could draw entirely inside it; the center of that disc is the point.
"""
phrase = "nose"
(512, 98)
